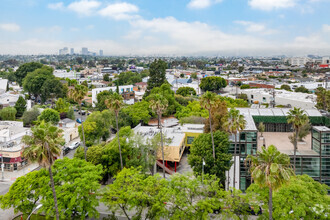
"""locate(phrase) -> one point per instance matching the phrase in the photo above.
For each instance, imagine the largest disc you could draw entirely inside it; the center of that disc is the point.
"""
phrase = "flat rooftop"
(175, 135)
(275, 111)
(322, 128)
(281, 141)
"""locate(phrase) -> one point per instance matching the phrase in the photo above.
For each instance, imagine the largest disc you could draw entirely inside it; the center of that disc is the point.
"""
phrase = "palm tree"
(43, 146)
(158, 103)
(236, 124)
(208, 100)
(115, 103)
(270, 169)
(78, 94)
(297, 118)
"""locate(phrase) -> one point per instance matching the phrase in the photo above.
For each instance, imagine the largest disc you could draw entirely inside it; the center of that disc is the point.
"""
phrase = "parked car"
(78, 120)
(65, 150)
(74, 145)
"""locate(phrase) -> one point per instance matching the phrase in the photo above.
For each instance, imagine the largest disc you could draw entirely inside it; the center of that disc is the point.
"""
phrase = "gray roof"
(181, 81)
(275, 111)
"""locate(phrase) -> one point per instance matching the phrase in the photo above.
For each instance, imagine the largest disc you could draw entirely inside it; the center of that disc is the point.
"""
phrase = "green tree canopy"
(97, 126)
(213, 83)
(34, 81)
(62, 105)
(270, 169)
(286, 87)
(52, 88)
(128, 78)
(323, 98)
(192, 109)
(166, 92)
(76, 182)
(24, 69)
(300, 198)
(202, 149)
(301, 89)
(137, 112)
(101, 97)
(186, 91)
(157, 71)
(20, 106)
(30, 116)
(49, 115)
(25, 192)
(8, 114)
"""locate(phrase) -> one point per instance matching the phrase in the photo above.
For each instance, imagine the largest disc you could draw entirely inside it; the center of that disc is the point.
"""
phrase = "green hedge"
(315, 120)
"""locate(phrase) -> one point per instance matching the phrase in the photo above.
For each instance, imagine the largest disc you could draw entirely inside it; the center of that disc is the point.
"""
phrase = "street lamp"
(38, 207)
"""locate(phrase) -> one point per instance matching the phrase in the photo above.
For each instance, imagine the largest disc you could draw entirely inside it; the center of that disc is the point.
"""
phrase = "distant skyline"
(166, 27)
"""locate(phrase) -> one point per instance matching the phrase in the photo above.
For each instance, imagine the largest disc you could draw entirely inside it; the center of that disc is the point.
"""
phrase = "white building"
(325, 60)
(299, 61)
(282, 97)
(312, 86)
(122, 89)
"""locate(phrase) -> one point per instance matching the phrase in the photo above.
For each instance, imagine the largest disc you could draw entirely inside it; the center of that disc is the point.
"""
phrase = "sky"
(167, 27)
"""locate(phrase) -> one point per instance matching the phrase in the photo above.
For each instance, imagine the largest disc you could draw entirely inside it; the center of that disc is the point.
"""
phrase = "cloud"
(10, 27)
(56, 6)
(326, 28)
(201, 4)
(253, 27)
(268, 5)
(119, 11)
(46, 30)
(182, 37)
(84, 7)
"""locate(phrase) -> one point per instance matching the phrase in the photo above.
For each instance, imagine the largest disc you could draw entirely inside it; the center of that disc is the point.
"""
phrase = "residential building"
(179, 138)
(11, 133)
(282, 97)
(122, 90)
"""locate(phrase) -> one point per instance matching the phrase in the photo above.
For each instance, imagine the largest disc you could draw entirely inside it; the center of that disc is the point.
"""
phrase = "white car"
(74, 145)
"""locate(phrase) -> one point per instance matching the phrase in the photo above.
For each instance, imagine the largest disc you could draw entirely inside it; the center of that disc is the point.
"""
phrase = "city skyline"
(191, 27)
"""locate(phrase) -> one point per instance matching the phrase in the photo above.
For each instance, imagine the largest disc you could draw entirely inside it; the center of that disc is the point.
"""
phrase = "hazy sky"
(171, 27)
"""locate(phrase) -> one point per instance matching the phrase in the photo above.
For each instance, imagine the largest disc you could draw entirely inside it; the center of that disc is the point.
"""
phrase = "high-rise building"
(84, 51)
(63, 51)
(71, 51)
(101, 52)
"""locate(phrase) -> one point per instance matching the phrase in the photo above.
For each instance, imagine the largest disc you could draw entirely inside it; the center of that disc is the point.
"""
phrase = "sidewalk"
(11, 176)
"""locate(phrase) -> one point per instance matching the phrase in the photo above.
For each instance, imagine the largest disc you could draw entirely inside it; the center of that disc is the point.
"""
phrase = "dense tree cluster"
(213, 83)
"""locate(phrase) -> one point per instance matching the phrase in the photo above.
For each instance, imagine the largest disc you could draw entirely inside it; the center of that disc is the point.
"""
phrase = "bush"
(50, 115)
(8, 114)
(30, 116)
(245, 86)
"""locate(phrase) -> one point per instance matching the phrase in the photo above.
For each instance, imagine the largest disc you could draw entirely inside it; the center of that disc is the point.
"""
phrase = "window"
(251, 96)
(325, 138)
(325, 167)
(316, 134)
(190, 139)
(325, 149)
(264, 99)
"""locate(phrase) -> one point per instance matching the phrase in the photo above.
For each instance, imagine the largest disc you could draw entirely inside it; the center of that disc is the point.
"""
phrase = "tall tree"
(236, 123)
(157, 75)
(298, 119)
(323, 99)
(213, 83)
(24, 69)
(270, 169)
(208, 100)
(20, 106)
(115, 103)
(43, 146)
(202, 150)
(158, 104)
(78, 94)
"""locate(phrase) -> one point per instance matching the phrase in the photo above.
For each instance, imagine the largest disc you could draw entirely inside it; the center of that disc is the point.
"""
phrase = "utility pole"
(2, 165)
(273, 102)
